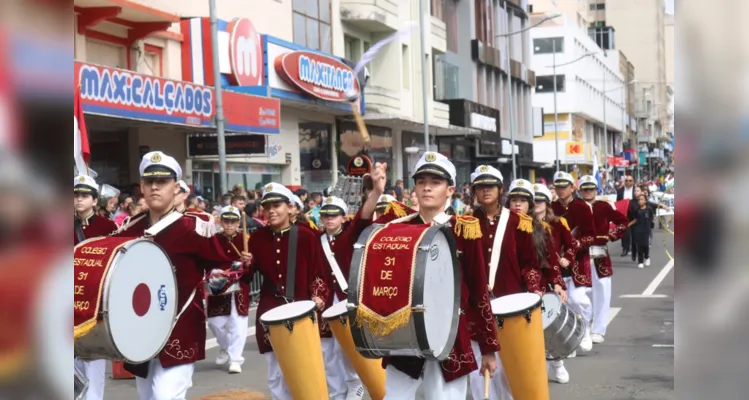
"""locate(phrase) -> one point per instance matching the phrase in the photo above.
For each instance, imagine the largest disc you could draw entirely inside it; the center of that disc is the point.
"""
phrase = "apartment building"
(670, 22)
(590, 95)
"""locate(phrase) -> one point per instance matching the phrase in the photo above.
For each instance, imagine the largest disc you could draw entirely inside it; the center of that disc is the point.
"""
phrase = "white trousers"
(230, 332)
(399, 386)
(578, 300)
(94, 371)
(499, 388)
(601, 302)
(165, 383)
(341, 376)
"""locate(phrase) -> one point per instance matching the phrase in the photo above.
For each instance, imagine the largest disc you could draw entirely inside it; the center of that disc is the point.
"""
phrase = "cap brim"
(486, 180)
(562, 183)
(433, 169)
(542, 197)
(332, 210)
(230, 217)
(520, 192)
(381, 207)
(588, 186)
(83, 189)
(158, 171)
(274, 198)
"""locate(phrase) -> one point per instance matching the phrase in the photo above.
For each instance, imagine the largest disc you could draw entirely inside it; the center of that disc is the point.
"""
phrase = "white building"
(586, 79)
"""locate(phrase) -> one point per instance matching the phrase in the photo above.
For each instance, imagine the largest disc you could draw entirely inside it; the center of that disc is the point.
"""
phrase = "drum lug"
(418, 308)
(358, 246)
(424, 248)
(313, 317)
(527, 316)
(500, 323)
(289, 325)
(343, 319)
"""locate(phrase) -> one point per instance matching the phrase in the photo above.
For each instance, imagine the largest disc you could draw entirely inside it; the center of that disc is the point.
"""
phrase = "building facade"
(590, 95)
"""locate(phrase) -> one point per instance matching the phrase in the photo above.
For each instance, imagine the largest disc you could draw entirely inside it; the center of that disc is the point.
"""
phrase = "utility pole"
(556, 116)
(510, 109)
(424, 83)
(220, 137)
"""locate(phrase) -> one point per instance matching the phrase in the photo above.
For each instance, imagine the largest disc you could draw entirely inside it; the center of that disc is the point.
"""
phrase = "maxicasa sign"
(320, 76)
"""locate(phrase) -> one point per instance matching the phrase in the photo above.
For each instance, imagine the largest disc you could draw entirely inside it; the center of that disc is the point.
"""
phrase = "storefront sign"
(473, 115)
(359, 165)
(125, 94)
(320, 76)
(245, 53)
(574, 152)
(483, 122)
(207, 145)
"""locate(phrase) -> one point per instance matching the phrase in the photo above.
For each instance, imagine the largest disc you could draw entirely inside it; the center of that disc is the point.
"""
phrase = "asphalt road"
(635, 362)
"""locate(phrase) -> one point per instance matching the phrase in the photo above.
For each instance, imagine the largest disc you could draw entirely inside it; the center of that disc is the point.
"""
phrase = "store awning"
(141, 20)
(410, 124)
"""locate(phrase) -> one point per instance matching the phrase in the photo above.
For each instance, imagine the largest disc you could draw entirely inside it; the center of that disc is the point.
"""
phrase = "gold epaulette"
(526, 223)
(467, 227)
(312, 224)
(395, 208)
(546, 226)
(564, 222)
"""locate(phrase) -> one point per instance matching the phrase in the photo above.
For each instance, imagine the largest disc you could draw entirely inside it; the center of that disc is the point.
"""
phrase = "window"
(406, 67)
(445, 80)
(480, 84)
(314, 155)
(599, 6)
(351, 48)
(451, 25)
(548, 45)
(545, 84)
(311, 19)
(437, 9)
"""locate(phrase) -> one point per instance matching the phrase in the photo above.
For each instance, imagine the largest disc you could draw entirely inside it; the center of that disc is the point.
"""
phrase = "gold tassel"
(83, 329)
(467, 227)
(312, 224)
(396, 209)
(379, 325)
(564, 222)
(526, 223)
(546, 226)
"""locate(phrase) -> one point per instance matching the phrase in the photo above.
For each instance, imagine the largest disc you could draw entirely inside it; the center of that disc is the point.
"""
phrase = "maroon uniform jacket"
(565, 246)
(189, 252)
(474, 300)
(553, 274)
(579, 216)
(93, 226)
(518, 270)
(603, 215)
(342, 246)
(221, 305)
(269, 256)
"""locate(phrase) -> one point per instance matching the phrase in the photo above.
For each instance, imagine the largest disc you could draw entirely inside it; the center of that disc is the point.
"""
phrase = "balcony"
(371, 15)
(438, 35)
(381, 100)
(440, 113)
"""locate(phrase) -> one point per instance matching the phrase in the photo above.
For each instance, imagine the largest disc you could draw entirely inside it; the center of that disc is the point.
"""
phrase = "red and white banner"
(81, 149)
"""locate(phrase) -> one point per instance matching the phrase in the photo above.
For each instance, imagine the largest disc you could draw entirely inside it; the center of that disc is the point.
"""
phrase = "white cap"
(521, 187)
(298, 202)
(85, 184)
(230, 212)
(541, 192)
(159, 165)
(563, 179)
(588, 182)
(486, 175)
(385, 199)
(333, 205)
(276, 192)
(184, 187)
(435, 164)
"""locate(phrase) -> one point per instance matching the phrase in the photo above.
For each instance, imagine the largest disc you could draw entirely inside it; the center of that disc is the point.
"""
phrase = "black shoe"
(624, 253)
(634, 257)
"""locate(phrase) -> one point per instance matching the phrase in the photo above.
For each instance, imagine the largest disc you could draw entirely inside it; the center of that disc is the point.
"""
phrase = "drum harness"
(333, 264)
(290, 266)
(504, 218)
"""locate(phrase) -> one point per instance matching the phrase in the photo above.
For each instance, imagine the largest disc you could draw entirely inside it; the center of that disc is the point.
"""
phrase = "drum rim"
(333, 317)
(311, 312)
(105, 297)
(521, 311)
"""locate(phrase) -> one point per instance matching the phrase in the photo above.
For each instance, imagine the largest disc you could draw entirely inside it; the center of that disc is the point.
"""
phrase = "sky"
(670, 6)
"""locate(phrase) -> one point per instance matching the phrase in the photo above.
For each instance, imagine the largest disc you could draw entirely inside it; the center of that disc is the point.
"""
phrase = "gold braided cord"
(526, 223)
(467, 228)
(564, 222)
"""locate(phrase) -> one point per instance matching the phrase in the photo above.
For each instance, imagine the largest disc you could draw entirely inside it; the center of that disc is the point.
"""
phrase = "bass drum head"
(439, 293)
(141, 300)
(336, 311)
(552, 305)
(515, 304)
(288, 312)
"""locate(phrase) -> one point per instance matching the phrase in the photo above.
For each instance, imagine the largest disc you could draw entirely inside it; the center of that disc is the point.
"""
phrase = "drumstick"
(244, 231)
(360, 121)
(486, 384)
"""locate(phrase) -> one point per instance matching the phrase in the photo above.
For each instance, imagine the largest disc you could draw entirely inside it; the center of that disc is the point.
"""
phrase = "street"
(635, 362)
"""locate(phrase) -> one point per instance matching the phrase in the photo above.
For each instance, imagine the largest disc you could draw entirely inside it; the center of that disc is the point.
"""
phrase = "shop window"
(545, 83)
(311, 19)
(314, 155)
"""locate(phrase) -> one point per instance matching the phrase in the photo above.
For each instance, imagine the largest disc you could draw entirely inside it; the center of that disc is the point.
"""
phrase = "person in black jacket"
(627, 192)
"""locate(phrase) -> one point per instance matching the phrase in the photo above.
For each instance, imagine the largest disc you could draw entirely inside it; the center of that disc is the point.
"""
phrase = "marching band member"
(180, 200)
(338, 241)
(85, 226)
(228, 313)
(271, 250)
(184, 239)
(382, 205)
(507, 247)
(434, 184)
(604, 214)
(561, 246)
(297, 215)
(580, 220)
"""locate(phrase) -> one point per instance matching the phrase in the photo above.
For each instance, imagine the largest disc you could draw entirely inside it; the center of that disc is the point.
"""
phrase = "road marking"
(658, 279)
(663, 345)
(211, 343)
(613, 311)
(643, 296)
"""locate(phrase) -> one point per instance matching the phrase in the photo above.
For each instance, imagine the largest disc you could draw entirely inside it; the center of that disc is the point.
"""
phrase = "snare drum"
(295, 337)
(431, 329)
(370, 371)
(521, 337)
(597, 252)
(563, 329)
(80, 384)
(125, 299)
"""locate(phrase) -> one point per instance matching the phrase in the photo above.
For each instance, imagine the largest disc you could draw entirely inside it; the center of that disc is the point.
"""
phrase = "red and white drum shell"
(138, 301)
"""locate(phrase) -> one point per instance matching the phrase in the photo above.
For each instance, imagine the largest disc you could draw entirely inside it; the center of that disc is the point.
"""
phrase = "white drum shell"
(115, 336)
(563, 329)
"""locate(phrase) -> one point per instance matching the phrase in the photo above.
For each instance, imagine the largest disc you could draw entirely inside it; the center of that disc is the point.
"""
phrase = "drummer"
(228, 313)
(580, 220)
(343, 382)
(270, 248)
(184, 239)
(434, 184)
(604, 214)
(88, 225)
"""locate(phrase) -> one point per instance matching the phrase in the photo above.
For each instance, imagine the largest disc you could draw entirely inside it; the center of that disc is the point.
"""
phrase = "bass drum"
(433, 325)
(563, 329)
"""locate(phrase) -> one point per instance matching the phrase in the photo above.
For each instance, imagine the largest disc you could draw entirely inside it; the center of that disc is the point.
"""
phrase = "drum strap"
(333, 263)
(79, 231)
(504, 218)
(291, 263)
(163, 223)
